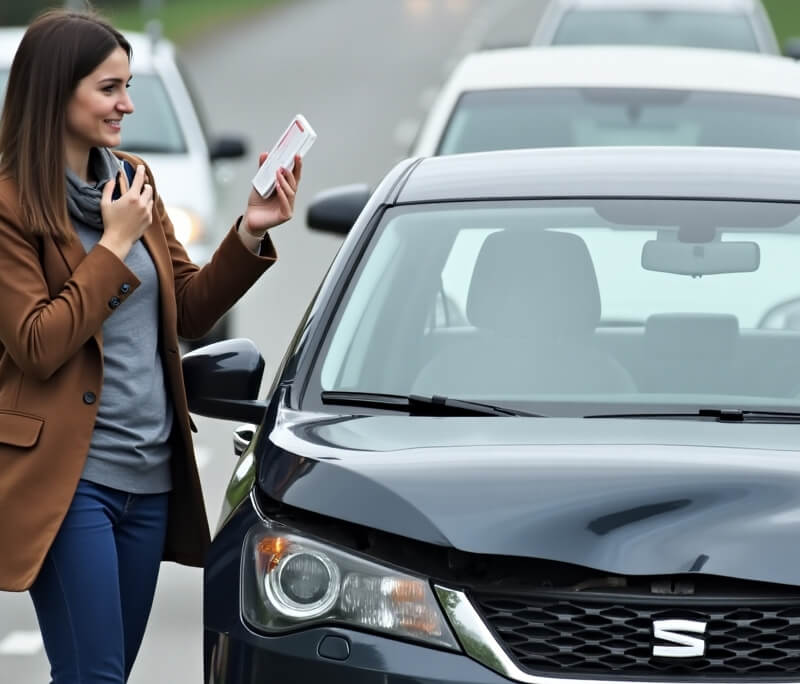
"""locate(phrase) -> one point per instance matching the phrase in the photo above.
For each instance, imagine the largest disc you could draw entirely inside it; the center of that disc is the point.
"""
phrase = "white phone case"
(296, 140)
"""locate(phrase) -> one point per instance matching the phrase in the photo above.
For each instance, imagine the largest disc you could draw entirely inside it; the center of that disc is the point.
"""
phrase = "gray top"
(129, 450)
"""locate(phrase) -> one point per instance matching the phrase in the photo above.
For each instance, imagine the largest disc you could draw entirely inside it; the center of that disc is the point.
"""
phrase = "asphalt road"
(363, 72)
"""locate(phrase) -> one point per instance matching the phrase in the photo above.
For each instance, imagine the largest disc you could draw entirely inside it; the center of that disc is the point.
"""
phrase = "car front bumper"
(236, 654)
(334, 655)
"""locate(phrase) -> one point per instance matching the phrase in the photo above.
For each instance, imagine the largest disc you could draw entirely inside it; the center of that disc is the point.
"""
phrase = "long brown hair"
(59, 48)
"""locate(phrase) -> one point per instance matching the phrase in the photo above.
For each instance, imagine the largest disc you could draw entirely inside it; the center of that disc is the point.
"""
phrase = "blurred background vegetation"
(785, 16)
(184, 20)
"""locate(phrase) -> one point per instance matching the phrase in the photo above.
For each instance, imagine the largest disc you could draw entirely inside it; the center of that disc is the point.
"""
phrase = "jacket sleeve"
(41, 333)
(203, 295)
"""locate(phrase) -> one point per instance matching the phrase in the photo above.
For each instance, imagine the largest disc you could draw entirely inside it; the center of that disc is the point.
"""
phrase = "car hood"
(619, 495)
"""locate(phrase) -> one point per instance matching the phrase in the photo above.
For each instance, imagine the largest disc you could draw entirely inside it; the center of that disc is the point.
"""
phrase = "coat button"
(124, 288)
(114, 302)
(89, 397)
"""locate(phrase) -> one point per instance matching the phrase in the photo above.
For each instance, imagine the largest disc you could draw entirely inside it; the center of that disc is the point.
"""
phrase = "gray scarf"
(83, 199)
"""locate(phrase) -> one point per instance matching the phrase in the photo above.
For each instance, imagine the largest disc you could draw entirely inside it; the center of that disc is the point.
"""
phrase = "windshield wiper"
(418, 405)
(722, 415)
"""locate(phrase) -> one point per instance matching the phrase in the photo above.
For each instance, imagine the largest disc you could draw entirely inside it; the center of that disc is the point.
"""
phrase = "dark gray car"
(540, 424)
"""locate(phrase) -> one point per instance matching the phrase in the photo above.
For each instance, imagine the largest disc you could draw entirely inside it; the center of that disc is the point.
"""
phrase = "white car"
(722, 24)
(609, 95)
(166, 129)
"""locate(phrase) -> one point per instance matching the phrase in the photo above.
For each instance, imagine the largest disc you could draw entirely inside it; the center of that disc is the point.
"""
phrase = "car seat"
(692, 353)
(535, 303)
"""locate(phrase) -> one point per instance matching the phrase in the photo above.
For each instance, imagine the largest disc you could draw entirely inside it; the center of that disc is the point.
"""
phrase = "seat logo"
(675, 632)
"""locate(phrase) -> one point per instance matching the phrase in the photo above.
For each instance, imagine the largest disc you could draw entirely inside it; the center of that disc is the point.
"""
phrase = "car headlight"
(290, 581)
(188, 225)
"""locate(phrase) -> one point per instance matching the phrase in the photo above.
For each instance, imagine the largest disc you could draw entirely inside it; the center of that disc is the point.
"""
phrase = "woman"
(97, 477)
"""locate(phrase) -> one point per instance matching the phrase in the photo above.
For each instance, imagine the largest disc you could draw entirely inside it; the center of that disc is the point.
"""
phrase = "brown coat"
(53, 302)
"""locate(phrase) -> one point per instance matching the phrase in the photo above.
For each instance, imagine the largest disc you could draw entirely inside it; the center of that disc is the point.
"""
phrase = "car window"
(646, 27)
(549, 303)
(153, 126)
(566, 117)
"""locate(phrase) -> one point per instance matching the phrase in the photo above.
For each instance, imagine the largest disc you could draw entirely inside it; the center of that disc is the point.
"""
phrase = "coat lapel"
(73, 253)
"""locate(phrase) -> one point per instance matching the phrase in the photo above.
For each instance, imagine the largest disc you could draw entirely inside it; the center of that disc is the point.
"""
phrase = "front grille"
(596, 635)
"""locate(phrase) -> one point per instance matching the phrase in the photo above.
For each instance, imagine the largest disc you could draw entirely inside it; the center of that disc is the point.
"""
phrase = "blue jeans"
(94, 592)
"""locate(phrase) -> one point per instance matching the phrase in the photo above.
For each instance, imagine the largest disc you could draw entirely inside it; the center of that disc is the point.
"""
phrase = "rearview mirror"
(336, 210)
(699, 259)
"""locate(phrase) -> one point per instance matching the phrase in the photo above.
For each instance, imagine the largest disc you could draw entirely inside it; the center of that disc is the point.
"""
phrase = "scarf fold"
(83, 199)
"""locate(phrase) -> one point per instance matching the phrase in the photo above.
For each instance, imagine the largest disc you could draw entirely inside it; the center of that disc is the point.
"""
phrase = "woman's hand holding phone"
(262, 214)
(126, 219)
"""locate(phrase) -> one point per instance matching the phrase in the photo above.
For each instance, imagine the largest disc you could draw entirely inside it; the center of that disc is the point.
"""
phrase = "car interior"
(540, 117)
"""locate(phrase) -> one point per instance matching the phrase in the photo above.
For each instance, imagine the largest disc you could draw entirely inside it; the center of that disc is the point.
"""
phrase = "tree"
(20, 13)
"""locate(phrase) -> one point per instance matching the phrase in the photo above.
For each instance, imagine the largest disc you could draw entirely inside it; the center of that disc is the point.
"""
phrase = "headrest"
(699, 335)
(534, 282)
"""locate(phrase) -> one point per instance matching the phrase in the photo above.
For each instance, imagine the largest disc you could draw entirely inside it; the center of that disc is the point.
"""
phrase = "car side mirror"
(222, 380)
(336, 210)
(226, 148)
(791, 47)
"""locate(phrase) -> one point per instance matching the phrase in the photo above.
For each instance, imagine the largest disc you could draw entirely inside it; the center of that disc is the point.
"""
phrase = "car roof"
(628, 66)
(146, 54)
(687, 172)
(692, 5)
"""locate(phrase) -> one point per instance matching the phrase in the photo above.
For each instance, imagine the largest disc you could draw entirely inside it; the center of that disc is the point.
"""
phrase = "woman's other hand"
(263, 214)
(126, 219)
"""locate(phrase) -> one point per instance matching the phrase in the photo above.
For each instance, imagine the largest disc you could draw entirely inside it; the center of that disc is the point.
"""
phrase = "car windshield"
(576, 307)
(567, 117)
(649, 27)
(153, 126)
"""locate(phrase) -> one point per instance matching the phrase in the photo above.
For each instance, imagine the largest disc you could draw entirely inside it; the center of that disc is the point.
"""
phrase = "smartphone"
(296, 140)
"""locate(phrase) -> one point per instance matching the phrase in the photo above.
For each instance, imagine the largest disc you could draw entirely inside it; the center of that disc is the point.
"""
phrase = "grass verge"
(184, 20)
(785, 17)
